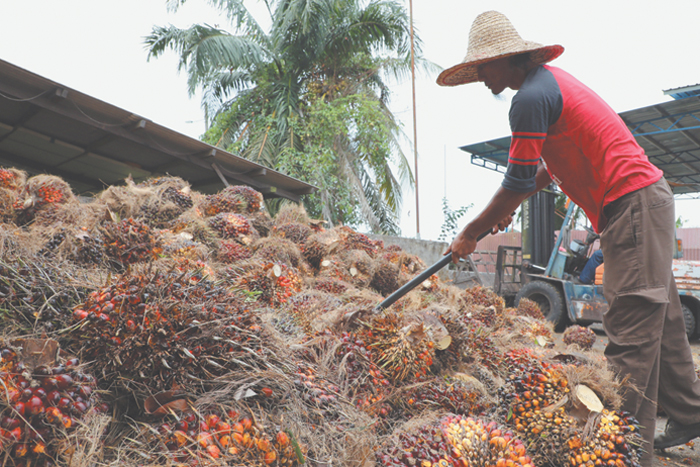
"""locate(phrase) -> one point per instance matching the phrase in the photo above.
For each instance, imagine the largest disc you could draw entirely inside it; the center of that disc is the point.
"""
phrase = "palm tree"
(261, 88)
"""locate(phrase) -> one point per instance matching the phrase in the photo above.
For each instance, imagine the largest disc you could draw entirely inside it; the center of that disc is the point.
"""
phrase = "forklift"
(546, 267)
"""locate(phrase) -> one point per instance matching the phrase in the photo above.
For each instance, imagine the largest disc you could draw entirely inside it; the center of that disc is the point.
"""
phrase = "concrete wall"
(430, 252)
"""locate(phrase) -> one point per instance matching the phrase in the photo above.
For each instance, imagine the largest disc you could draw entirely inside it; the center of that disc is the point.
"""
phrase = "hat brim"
(466, 72)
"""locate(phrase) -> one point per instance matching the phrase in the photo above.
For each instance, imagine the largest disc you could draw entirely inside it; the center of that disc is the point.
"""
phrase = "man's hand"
(503, 224)
(464, 243)
(462, 246)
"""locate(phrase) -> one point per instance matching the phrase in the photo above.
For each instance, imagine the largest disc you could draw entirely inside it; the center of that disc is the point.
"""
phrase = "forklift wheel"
(689, 319)
(549, 300)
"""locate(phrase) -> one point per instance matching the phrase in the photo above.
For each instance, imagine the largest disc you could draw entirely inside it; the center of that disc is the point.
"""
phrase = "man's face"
(496, 75)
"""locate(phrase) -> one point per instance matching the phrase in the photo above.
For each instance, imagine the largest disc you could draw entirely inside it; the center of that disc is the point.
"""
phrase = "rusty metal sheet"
(589, 310)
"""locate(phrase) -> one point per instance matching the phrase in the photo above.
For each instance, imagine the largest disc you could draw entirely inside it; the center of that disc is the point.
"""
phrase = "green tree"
(450, 225)
(322, 62)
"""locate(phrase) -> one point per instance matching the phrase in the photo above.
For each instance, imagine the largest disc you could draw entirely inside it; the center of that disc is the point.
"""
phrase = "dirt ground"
(688, 454)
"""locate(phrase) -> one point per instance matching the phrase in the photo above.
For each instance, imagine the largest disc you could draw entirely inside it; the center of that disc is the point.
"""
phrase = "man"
(564, 132)
(587, 275)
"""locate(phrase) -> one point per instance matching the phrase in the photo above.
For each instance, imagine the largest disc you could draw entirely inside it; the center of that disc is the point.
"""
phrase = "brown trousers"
(644, 322)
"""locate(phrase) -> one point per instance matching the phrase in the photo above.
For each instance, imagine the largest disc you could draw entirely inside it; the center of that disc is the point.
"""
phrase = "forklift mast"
(537, 225)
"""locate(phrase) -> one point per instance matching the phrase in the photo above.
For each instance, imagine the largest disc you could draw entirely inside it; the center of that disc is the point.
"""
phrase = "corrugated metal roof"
(669, 133)
(46, 127)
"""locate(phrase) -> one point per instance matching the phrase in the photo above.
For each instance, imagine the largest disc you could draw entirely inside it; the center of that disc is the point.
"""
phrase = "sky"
(628, 52)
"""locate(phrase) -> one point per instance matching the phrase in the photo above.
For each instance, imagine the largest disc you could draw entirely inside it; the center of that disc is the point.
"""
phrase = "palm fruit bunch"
(386, 278)
(484, 297)
(306, 306)
(173, 189)
(278, 250)
(11, 183)
(41, 195)
(475, 346)
(315, 249)
(615, 442)
(12, 179)
(274, 282)
(530, 308)
(35, 294)
(181, 246)
(193, 438)
(50, 247)
(583, 337)
(293, 231)
(88, 248)
(351, 240)
(425, 447)
(476, 442)
(40, 406)
(403, 352)
(331, 286)
(231, 252)
(315, 390)
(457, 441)
(161, 329)
(450, 394)
(367, 384)
(532, 398)
(334, 268)
(229, 225)
(130, 241)
(360, 266)
(234, 199)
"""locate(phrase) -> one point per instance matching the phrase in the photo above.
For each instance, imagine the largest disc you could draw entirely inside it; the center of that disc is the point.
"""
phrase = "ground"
(679, 456)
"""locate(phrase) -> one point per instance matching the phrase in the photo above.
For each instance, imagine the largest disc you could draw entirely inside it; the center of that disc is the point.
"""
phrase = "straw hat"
(491, 37)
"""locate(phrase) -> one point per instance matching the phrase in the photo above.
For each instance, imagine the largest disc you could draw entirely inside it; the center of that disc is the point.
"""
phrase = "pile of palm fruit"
(198, 330)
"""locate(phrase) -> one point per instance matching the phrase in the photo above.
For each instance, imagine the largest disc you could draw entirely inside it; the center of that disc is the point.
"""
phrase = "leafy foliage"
(264, 92)
(449, 227)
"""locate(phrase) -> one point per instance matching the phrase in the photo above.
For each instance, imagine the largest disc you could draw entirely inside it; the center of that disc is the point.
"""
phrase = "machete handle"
(410, 285)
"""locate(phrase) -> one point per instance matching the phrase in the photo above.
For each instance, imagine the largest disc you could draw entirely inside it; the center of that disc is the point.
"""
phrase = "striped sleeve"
(535, 107)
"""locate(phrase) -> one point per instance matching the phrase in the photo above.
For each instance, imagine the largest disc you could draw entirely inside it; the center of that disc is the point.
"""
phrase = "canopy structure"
(669, 133)
(46, 127)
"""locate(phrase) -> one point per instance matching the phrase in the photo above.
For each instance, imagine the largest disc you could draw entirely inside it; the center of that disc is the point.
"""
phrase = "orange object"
(599, 274)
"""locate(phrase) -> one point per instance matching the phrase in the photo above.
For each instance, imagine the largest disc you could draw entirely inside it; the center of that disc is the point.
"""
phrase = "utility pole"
(415, 131)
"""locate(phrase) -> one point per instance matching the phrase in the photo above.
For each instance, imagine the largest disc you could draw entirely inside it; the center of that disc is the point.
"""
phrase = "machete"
(410, 285)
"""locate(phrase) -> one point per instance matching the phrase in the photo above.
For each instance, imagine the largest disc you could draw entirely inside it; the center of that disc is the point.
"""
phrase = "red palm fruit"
(190, 417)
(238, 438)
(232, 414)
(247, 423)
(205, 439)
(238, 428)
(80, 314)
(223, 428)
(225, 440)
(34, 406)
(67, 421)
(63, 403)
(63, 381)
(270, 457)
(213, 451)
(39, 448)
(79, 408)
(203, 426)
(282, 439)
(10, 423)
(267, 391)
(263, 444)
(40, 393)
(19, 408)
(16, 434)
(212, 420)
(180, 438)
(85, 392)
(53, 415)
(182, 425)
(21, 450)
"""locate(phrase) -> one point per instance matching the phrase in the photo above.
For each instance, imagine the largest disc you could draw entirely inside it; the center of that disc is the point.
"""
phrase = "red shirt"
(585, 146)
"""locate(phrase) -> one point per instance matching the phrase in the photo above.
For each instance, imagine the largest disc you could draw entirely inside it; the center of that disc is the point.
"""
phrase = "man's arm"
(496, 215)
